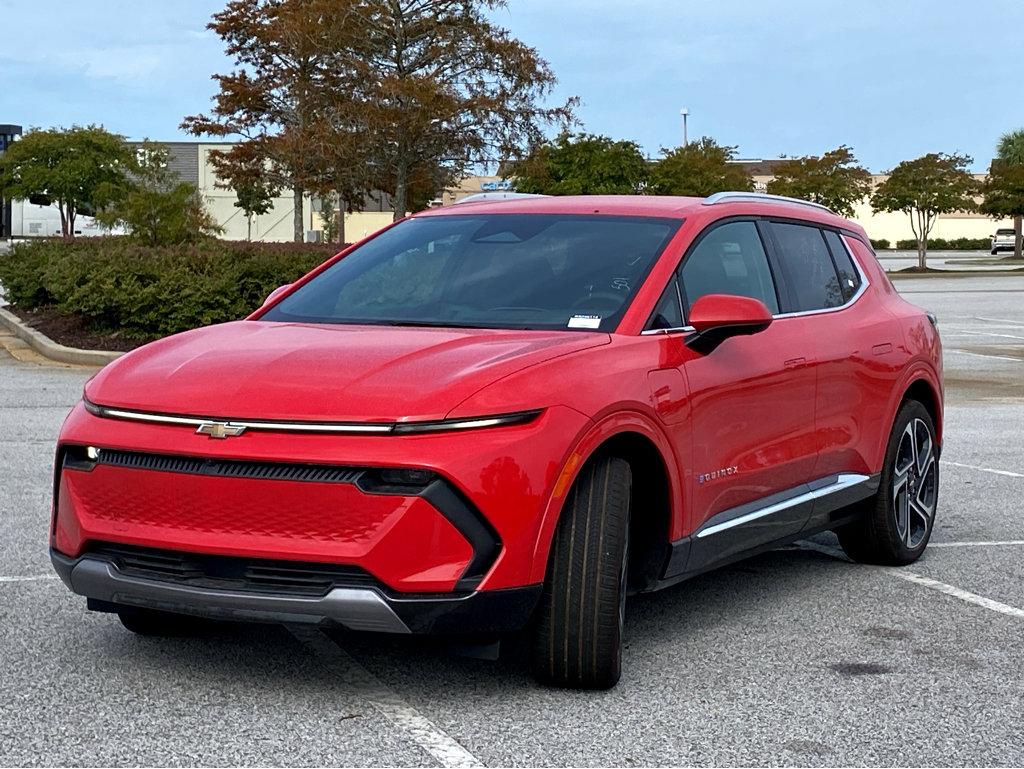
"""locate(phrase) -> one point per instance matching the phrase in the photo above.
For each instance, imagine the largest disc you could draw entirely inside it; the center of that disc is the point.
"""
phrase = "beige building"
(191, 160)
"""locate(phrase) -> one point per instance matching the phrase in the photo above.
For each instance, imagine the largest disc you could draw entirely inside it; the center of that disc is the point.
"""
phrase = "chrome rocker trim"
(844, 481)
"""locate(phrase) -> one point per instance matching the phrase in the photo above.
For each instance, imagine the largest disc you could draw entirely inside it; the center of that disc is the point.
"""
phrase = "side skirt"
(768, 523)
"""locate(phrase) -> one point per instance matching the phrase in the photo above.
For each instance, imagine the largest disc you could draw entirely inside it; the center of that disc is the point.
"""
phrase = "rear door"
(752, 404)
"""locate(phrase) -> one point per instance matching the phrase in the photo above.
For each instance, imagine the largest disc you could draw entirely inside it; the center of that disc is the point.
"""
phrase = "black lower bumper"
(360, 607)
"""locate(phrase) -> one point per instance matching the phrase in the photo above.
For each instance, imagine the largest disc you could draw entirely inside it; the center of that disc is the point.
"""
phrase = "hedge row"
(144, 292)
(942, 244)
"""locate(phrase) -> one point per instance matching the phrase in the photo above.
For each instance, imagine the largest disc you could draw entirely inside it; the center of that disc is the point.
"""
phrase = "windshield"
(526, 271)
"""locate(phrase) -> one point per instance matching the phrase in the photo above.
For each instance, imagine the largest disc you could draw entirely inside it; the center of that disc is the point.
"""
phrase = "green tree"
(411, 92)
(924, 189)
(79, 168)
(283, 81)
(582, 164)
(1004, 188)
(255, 198)
(833, 179)
(157, 208)
(698, 169)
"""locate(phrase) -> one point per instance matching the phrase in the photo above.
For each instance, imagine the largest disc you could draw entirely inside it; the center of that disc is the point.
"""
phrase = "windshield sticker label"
(585, 321)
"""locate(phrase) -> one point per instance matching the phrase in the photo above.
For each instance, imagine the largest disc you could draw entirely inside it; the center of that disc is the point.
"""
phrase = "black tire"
(578, 636)
(879, 536)
(149, 622)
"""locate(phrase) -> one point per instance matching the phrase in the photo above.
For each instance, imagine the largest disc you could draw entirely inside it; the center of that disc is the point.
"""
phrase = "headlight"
(469, 423)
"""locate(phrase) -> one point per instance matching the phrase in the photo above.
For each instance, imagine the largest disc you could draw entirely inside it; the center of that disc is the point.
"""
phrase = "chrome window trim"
(375, 428)
(843, 481)
(864, 283)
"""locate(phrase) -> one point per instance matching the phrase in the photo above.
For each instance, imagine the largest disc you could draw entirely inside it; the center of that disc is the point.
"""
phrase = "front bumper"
(482, 522)
(362, 608)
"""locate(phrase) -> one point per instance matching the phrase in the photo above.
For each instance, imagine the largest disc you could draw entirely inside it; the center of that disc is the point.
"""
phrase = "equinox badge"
(220, 429)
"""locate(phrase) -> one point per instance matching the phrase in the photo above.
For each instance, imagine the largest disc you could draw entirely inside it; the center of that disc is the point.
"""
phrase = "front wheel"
(898, 522)
(578, 640)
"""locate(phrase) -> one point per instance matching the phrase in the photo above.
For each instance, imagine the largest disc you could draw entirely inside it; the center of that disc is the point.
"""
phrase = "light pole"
(685, 113)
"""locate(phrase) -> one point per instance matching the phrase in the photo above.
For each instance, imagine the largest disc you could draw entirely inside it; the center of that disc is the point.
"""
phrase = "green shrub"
(943, 244)
(879, 245)
(144, 292)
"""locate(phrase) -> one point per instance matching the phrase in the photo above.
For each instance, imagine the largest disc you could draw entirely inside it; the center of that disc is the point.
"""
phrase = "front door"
(751, 406)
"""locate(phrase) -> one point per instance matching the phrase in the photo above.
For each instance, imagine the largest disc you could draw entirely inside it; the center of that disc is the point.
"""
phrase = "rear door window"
(810, 276)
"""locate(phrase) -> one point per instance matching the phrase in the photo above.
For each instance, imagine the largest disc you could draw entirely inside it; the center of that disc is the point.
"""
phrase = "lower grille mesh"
(233, 573)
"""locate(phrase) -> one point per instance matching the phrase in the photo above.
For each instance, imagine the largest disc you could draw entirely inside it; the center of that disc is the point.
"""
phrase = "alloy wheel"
(915, 484)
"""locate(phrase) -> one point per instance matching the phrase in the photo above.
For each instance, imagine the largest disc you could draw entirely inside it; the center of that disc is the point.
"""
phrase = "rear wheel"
(149, 622)
(899, 519)
(578, 638)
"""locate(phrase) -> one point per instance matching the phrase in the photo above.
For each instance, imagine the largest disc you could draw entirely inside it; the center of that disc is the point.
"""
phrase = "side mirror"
(276, 293)
(716, 317)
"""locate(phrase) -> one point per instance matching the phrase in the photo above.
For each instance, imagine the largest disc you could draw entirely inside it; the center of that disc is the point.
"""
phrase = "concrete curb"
(46, 347)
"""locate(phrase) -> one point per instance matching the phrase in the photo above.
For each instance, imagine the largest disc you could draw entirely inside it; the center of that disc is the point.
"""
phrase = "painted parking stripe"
(437, 743)
(991, 333)
(29, 579)
(1001, 320)
(992, 470)
(983, 355)
(928, 582)
(1003, 543)
(956, 592)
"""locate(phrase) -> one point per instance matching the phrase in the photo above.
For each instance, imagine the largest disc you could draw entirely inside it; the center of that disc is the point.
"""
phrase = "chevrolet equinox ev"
(508, 415)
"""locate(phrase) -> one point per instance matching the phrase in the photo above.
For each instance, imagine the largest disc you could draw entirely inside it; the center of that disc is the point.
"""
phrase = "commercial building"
(8, 133)
(192, 163)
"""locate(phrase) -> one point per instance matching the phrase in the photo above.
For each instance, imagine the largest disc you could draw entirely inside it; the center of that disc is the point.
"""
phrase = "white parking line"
(990, 333)
(1001, 320)
(1003, 543)
(933, 584)
(421, 730)
(1007, 473)
(983, 355)
(956, 592)
(28, 579)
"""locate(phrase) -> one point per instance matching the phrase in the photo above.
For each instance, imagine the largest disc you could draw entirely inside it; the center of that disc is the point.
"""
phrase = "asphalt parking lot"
(794, 657)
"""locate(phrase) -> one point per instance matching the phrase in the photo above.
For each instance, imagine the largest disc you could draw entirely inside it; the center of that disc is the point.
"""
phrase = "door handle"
(796, 362)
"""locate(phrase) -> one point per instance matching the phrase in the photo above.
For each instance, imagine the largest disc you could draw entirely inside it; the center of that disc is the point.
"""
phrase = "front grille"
(228, 468)
(233, 573)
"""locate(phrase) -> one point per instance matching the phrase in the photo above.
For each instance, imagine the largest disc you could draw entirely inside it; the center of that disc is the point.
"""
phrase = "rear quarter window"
(849, 277)
(812, 282)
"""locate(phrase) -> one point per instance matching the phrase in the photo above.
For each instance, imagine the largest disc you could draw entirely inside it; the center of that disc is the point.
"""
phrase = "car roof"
(650, 205)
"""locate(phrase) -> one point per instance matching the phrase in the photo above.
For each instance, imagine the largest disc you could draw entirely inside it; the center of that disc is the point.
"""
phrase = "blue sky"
(891, 78)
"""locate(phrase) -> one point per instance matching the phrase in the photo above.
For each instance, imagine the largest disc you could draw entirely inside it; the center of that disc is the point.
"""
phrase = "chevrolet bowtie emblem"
(220, 429)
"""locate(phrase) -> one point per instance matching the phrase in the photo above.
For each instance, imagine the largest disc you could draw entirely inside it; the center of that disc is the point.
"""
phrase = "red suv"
(511, 414)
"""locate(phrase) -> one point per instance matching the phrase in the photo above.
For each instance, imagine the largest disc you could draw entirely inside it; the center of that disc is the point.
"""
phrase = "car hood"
(318, 372)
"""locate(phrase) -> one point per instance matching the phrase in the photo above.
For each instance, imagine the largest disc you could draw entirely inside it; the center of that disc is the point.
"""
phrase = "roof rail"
(760, 197)
(495, 197)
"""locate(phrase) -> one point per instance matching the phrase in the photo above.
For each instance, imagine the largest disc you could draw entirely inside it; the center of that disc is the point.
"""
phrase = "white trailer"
(29, 220)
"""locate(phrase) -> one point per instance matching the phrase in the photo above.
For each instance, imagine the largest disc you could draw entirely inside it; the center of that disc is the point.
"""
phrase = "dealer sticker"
(585, 321)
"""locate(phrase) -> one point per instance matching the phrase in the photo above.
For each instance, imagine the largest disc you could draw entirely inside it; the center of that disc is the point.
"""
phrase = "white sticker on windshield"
(585, 321)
